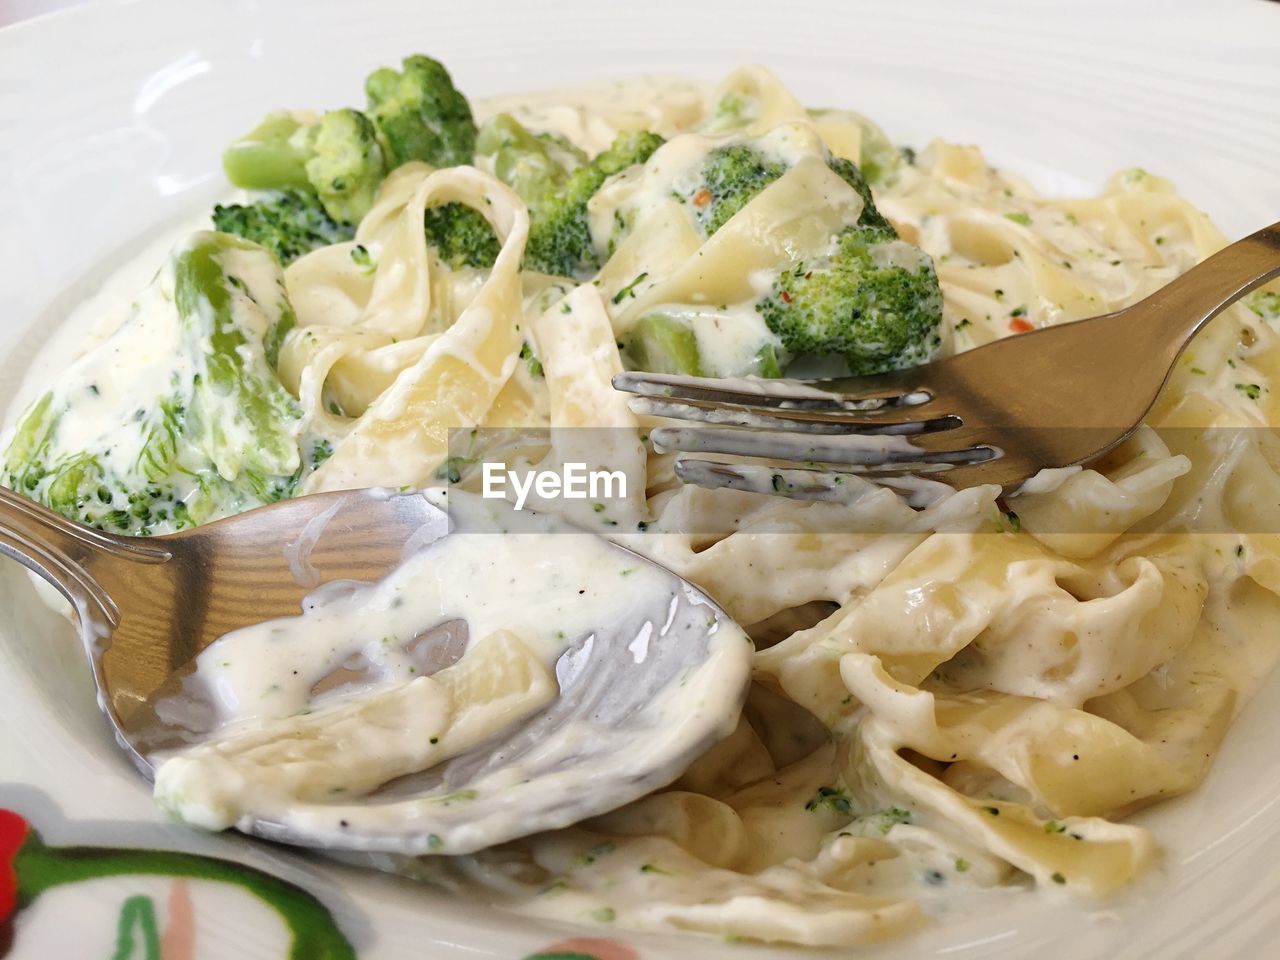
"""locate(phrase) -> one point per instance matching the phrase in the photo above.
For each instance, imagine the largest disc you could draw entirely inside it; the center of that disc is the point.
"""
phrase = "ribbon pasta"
(945, 700)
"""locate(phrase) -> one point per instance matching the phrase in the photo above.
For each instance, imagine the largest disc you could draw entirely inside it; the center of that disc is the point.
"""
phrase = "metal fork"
(998, 414)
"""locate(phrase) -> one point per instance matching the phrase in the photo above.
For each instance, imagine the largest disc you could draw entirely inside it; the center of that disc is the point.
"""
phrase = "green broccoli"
(461, 236)
(559, 233)
(667, 342)
(733, 111)
(289, 223)
(662, 344)
(848, 171)
(345, 166)
(343, 157)
(292, 223)
(420, 114)
(1266, 304)
(878, 159)
(876, 311)
(732, 176)
(201, 428)
(338, 158)
(239, 413)
(533, 165)
(271, 156)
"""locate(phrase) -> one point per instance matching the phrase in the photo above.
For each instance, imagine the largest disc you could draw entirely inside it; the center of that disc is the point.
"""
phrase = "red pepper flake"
(702, 198)
(13, 834)
(1020, 325)
(786, 297)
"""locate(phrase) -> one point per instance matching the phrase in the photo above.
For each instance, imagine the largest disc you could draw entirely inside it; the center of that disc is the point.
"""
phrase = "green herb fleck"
(532, 362)
(455, 797)
(362, 258)
(1266, 304)
(451, 469)
(833, 799)
(629, 290)
(595, 853)
(891, 817)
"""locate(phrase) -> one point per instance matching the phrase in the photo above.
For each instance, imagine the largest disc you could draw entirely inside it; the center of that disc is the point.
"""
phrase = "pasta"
(989, 703)
(966, 696)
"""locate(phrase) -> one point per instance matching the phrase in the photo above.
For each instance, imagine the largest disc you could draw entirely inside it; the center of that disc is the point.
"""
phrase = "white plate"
(112, 119)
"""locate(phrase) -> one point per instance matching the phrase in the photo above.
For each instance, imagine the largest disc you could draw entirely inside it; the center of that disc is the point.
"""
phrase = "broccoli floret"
(217, 433)
(338, 158)
(532, 165)
(420, 114)
(416, 114)
(461, 236)
(731, 176)
(559, 233)
(289, 223)
(848, 171)
(878, 159)
(734, 174)
(877, 305)
(346, 165)
(733, 111)
(292, 223)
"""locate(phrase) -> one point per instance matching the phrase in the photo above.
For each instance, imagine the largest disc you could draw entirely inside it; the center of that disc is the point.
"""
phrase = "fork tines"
(893, 429)
(887, 392)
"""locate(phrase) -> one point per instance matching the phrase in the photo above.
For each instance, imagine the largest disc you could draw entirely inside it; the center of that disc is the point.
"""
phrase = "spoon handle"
(43, 549)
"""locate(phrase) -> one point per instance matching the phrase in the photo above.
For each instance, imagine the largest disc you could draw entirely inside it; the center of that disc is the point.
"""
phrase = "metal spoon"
(147, 607)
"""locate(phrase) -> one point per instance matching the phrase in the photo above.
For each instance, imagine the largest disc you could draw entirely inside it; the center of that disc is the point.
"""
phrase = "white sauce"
(530, 591)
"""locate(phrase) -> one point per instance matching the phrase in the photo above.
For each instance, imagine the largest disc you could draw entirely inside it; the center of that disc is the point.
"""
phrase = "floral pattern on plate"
(30, 868)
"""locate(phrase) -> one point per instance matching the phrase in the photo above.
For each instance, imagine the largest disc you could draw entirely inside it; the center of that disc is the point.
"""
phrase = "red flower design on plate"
(13, 834)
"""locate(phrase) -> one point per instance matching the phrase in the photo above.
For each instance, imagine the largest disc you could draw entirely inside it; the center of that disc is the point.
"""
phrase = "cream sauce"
(539, 601)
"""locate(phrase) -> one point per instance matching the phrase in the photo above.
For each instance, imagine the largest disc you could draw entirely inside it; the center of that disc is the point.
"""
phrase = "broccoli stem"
(247, 418)
(662, 344)
(269, 157)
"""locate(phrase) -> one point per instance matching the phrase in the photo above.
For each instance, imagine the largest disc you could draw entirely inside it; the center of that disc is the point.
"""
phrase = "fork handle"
(1182, 307)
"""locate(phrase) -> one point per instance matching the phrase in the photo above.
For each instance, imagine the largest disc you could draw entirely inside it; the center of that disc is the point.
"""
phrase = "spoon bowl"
(638, 695)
